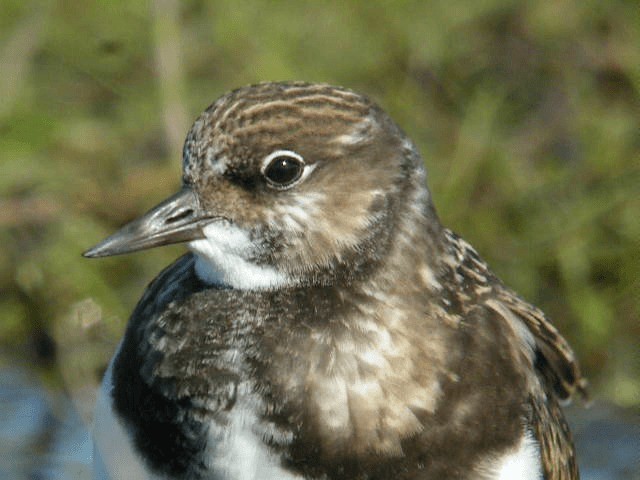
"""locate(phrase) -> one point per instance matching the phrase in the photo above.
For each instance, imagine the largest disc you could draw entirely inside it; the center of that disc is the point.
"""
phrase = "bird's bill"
(177, 219)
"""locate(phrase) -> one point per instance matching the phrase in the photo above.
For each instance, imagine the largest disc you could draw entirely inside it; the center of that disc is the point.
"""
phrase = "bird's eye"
(283, 168)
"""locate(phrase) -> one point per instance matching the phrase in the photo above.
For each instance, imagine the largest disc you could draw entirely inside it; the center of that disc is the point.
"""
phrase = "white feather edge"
(519, 463)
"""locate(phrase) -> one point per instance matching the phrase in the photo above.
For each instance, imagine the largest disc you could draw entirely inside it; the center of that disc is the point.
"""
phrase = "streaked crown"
(251, 122)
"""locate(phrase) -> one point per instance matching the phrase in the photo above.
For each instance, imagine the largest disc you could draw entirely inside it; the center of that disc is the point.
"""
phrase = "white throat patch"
(222, 259)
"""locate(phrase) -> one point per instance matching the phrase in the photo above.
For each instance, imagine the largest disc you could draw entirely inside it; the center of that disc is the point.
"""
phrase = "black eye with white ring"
(283, 168)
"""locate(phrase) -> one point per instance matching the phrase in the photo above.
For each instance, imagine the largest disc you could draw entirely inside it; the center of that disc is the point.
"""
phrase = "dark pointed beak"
(177, 219)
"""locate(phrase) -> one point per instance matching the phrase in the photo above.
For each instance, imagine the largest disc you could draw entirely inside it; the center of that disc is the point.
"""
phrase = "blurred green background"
(526, 112)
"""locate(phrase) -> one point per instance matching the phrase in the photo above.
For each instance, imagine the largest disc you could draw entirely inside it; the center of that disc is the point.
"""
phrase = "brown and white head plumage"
(359, 167)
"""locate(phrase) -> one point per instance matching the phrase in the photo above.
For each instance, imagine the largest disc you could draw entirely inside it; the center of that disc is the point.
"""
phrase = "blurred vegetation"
(527, 114)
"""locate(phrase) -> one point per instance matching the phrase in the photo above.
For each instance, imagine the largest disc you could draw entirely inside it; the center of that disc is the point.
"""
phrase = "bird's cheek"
(228, 238)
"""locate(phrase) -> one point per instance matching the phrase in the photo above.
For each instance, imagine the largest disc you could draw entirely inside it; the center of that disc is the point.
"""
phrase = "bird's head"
(285, 184)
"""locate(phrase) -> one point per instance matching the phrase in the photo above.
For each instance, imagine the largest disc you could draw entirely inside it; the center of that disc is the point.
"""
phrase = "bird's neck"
(348, 362)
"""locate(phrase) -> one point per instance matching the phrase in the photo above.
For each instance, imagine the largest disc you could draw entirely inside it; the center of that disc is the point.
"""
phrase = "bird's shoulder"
(170, 374)
(181, 332)
(173, 283)
(553, 359)
(556, 372)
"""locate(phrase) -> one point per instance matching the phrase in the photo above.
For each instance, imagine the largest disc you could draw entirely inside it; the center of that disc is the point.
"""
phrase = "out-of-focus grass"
(527, 114)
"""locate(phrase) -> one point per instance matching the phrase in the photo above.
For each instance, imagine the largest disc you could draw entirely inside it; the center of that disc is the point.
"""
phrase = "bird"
(324, 323)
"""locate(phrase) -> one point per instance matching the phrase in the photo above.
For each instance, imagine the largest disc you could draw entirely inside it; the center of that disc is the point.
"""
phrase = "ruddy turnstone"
(325, 324)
